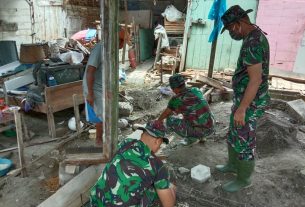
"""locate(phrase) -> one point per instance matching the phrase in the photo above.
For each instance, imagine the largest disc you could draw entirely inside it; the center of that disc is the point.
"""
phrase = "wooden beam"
(76, 191)
(85, 159)
(212, 58)
(208, 93)
(290, 76)
(211, 82)
(109, 27)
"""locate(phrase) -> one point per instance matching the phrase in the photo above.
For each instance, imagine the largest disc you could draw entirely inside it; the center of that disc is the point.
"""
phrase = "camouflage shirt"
(130, 179)
(193, 106)
(254, 50)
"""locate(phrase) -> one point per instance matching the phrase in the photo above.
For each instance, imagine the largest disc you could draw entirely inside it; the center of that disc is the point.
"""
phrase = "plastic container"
(5, 165)
(51, 81)
(200, 173)
(72, 124)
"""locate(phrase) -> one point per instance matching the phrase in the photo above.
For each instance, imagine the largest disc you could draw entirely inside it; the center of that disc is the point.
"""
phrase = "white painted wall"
(51, 19)
(299, 65)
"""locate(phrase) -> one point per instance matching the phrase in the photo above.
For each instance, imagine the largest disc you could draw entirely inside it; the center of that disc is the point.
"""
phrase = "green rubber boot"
(231, 165)
(244, 171)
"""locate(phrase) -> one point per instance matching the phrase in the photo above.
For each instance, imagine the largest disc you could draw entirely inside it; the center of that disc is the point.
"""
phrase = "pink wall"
(284, 21)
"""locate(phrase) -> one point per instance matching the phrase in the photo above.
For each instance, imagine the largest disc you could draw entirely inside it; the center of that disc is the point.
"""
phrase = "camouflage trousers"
(186, 130)
(150, 199)
(243, 139)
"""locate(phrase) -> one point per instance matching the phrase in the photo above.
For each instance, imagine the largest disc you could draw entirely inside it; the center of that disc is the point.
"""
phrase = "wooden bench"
(57, 98)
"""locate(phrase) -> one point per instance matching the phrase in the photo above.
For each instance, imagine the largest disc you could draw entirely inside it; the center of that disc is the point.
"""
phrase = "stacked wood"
(174, 27)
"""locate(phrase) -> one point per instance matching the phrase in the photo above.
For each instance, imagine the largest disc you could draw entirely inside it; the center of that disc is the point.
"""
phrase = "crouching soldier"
(197, 121)
(135, 176)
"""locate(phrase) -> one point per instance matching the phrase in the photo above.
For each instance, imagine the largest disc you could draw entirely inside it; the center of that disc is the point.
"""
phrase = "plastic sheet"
(172, 14)
(217, 10)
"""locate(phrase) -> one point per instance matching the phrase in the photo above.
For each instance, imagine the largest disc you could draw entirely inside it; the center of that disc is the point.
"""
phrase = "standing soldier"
(250, 85)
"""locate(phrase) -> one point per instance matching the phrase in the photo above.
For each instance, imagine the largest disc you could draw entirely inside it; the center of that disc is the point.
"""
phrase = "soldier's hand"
(239, 117)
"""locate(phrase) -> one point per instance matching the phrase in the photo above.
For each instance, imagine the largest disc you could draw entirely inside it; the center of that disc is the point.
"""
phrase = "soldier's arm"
(90, 82)
(255, 76)
(165, 114)
(167, 196)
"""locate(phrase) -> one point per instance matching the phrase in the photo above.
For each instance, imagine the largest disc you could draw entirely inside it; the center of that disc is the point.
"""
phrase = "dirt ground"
(277, 181)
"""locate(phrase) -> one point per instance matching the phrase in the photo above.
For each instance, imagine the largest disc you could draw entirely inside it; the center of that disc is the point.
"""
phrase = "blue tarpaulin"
(217, 10)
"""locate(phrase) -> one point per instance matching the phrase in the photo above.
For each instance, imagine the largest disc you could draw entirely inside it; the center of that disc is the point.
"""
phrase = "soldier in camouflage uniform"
(250, 85)
(135, 176)
(197, 121)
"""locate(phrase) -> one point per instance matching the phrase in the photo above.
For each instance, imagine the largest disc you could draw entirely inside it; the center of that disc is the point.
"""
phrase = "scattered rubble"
(183, 170)
(125, 109)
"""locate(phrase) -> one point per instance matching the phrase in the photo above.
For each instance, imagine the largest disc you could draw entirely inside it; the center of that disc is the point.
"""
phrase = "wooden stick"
(20, 141)
(206, 94)
(76, 114)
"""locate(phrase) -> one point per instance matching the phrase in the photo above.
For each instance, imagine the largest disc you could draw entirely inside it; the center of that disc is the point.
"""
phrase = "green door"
(198, 49)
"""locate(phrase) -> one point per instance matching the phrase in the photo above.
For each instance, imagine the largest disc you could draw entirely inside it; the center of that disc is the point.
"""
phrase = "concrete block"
(200, 173)
(71, 169)
(66, 173)
(298, 107)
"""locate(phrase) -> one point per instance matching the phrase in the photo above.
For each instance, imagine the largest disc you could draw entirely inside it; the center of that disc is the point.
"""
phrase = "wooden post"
(158, 50)
(125, 33)
(76, 114)
(212, 58)
(187, 26)
(18, 124)
(109, 26)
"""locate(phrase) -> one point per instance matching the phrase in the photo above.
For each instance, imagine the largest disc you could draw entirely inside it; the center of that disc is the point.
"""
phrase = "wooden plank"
(195, 84)
(211, 82)
(60, 97)
(82, 48)
(281, 83)
(287, 75)
(208, 93)
(85, 159)
(20, 142)
(76, 191)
